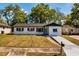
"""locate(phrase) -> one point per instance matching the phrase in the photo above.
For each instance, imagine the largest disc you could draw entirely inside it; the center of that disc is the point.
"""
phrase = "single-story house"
(67, 29)
(38, 29)
(4, 29)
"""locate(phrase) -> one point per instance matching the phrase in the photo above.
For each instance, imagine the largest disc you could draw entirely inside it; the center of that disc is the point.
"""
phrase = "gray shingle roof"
(35, 24)
(28, 25)
(4, 25)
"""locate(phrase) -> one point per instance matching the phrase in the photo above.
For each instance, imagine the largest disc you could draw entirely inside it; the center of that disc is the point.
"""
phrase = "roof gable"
(53, 24)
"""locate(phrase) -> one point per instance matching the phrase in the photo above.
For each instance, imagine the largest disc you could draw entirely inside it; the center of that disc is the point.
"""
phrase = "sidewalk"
(70, 48)
(24, 51)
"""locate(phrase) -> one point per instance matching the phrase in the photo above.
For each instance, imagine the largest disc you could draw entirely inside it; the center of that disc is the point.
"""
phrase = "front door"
(2, 32)
(45, 31)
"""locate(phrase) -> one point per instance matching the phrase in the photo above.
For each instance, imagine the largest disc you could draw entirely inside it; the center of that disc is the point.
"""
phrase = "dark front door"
(2, 32)
(45, 31)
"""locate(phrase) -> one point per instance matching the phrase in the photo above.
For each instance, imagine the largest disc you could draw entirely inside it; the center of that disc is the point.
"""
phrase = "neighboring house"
(67, 29)
(4, 29)
(39, 29)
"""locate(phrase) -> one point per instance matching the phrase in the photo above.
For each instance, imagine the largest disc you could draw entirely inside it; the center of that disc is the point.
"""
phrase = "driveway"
(70, 48)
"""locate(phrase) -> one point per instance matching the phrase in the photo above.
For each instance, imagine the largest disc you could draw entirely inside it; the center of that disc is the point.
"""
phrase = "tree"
(2, 21)
(1, 14)
(14, 14)
(20, 16)
(68, 20)
(8, 13)
(42, 13)
(59, 16)
(75, 14)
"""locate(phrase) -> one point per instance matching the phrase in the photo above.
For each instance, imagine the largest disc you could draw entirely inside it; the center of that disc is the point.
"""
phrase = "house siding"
(49, 31)
(6, 30)
(26, 31)
(55, 33)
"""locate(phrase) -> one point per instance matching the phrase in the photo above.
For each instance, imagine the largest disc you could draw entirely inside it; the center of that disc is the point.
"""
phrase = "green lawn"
(71, 39)
(28, 41)
(44, 54)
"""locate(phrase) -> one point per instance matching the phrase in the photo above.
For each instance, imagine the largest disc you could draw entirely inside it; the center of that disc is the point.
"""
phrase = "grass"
(44, 54)
(26, 41)
(3, 53)
(75, 41)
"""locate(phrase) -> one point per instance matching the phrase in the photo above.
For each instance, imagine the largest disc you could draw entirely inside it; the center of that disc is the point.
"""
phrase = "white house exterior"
(55, 30)
(25, 31)
(4, 29)
(38, 29)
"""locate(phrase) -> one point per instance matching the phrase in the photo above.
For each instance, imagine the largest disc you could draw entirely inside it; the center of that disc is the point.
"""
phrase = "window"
(54, 30)
(39, 29)
(19, 29)
(30, 29)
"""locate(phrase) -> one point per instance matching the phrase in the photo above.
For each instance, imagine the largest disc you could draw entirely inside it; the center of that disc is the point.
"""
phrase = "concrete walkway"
(70, 48)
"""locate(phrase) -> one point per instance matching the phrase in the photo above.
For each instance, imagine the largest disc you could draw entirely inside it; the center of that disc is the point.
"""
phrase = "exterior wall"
(50, 31)
(26, 31)
(59, 31)
(6, 30)
(1, 29)
(75, 31)
(70, 30)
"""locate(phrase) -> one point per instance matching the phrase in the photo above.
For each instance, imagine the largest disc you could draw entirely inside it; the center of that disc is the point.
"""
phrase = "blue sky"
(63, 7)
